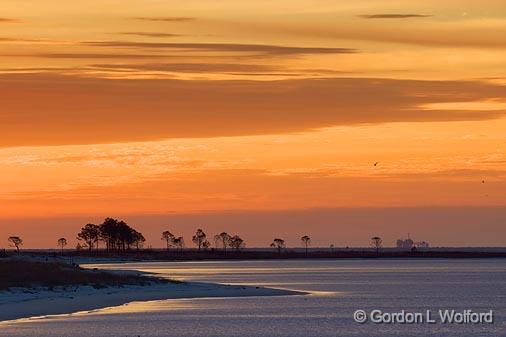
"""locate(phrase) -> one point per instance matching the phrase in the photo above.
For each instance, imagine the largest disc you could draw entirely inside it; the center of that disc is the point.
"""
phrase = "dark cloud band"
(48, 109)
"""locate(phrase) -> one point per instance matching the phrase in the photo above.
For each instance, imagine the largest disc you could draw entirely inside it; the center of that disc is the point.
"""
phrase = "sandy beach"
(25, 303)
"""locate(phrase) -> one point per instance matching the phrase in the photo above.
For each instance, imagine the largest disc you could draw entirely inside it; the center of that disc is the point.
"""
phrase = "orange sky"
(169, 112)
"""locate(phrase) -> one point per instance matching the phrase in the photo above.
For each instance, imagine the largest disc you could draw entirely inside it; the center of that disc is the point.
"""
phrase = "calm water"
(338, 288)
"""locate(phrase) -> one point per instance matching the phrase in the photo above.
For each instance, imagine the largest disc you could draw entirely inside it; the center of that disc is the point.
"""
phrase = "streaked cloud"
(236, 189)
(393, 16)
(484, 33)
(90, 56)
(58, 70)
(8, 20)
(224, 47)
(488, 105)
(15, 40)
(192, 67)
(150, 34)
(165, 18)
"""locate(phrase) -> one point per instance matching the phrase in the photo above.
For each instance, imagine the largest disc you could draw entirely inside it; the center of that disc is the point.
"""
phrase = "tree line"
(117, 235)
(222, 240)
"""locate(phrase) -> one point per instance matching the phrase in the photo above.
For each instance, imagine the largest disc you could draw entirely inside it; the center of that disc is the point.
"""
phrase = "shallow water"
(338, 288)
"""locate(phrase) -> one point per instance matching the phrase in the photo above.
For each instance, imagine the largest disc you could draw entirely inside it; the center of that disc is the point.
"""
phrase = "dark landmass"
(19, 273)
(252, 254)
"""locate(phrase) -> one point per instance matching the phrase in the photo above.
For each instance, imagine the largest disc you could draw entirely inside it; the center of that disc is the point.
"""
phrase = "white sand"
(25, 303)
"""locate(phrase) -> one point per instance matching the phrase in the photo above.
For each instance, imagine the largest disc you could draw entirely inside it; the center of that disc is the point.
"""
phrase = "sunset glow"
(338, 118)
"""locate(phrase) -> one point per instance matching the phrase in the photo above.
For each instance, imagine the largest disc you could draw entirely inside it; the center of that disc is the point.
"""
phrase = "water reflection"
(337, 288)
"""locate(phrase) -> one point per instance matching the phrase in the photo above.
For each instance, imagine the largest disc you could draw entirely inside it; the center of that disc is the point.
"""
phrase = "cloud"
(190, 189)
(393, 16)
(483, 33)
(12, 39)
(223, 47)
(90, 56)
(50, 109)
(471, 174)
(150, 34)
(148, 160)
(166, 19)
(192, 67)
(8, 20)
(39, 69)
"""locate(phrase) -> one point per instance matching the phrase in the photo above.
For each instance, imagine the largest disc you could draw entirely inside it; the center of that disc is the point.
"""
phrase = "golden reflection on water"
(213, 270)
(148, 306)
(131, 307)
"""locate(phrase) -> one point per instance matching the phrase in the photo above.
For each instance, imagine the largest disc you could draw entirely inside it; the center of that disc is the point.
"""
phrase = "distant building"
(422, 244)
(405, 244)
(410, 244)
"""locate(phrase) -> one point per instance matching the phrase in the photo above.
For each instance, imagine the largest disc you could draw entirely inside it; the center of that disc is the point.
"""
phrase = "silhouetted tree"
(278, 244)
(90, 234)
(109, 233)
(125, 236)
(199, 238)
(169, 238)
(119, 236)
(306, 241)
(206, 244)
(236, 242)
(222, 240)
(16, 241)
(179, 243)
(137, 239)
(62, 242)
(376, 242)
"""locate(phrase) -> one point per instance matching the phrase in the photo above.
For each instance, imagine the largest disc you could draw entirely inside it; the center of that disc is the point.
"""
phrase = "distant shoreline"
(251, 254)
